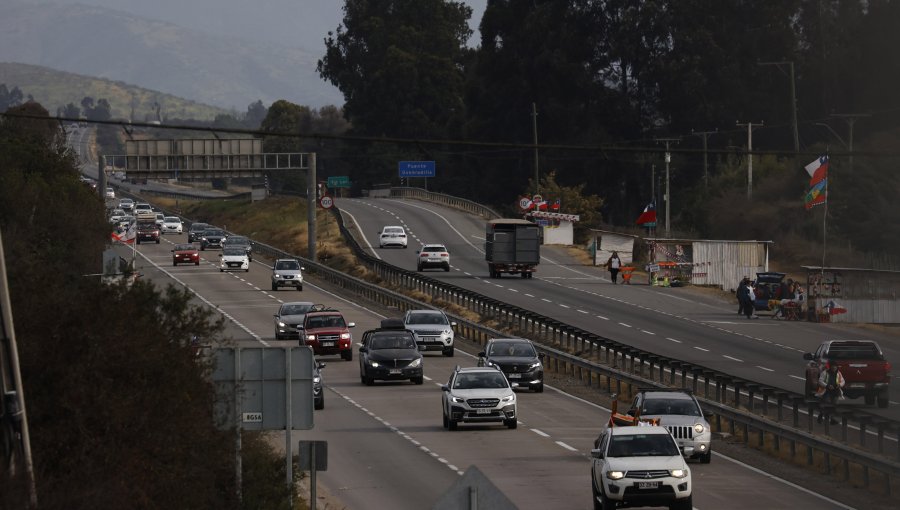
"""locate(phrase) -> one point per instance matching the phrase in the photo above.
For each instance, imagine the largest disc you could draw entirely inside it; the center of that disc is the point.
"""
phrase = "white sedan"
(172, 225)
(392, 236)
(234, 259)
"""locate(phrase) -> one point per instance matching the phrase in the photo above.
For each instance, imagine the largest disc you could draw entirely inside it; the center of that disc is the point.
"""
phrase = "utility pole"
(850, 119)
(667, 141)
(705, 135)
(534, 132)
(790, 65)
(750, 126)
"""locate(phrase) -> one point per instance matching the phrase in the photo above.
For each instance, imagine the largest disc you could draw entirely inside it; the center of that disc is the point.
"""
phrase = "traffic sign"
(326, 202)
(525, 203)
(339, 181)
(417, 169)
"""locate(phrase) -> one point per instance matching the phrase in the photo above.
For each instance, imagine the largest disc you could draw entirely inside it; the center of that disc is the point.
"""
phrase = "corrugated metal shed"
(719, 263)
(853, 295)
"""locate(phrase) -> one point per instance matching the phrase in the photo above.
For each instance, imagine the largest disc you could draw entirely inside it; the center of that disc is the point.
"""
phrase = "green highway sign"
(340, 181)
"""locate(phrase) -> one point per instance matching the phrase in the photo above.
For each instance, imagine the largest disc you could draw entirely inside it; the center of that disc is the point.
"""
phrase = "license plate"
(395, 371)
(327, 344)
(857, 385)
(858, 365)
(648, 485)
(483, 411)
(515, 376)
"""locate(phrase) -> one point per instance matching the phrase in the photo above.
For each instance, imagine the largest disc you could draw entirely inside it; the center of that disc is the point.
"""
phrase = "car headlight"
(345, 336)
(699, 428)
(507, 399)
(457, 400)
(375, 364)
(678, 473)
(277, 275)
(203, 239)
(448, 332)
(536, 364)
(615, 475)
(415, 363)
(317, 380)
(281, 324)
(311, 337)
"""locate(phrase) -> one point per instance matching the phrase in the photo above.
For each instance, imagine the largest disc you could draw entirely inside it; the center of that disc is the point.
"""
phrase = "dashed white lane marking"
(733, 359)
(797, 377)
(546, 300)
(673, 340)
(564, 306)
(626, 325)
(513, 290)
(529, 295)
(602, 317)
(647, 332)
(567, 447)
(766, 369)
(583, 311)
(540, 433)
(701, 349)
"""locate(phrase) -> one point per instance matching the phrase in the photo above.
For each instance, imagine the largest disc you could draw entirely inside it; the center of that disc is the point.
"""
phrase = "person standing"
(614, 264)
(750, 303)
(831, 384)
(742, 294)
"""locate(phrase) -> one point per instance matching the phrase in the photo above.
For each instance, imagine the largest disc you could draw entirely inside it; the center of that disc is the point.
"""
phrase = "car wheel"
(419, 268)
(512, 423)
(202, 248)
(446, 421)
(347, 355)
(157, 241)
(418, 380)
(221, 270)
(247, 270)
(605, 503)
(883, 399)
(447, 268)
(369, 380)
(175, 264)
(452, 424)
(320, 403)
(300, 288)
(869, 398)
(682, 504)
(274, 287)
(197, 263)
(705, 458)
(448, 352)
(539, 388)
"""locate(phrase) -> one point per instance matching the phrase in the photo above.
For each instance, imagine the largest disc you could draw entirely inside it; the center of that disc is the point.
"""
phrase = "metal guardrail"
(551, 337)
(448, 200)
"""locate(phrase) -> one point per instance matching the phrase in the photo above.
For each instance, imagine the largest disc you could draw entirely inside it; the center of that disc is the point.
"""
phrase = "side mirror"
(444, 387)
(541, 355)
(452, 324)
(418, 252)
(320, 365)
(596, 453)
(514, 385)
(687, 451)
(363, 349)
(274, 315)
(351, 325)
(807, 356)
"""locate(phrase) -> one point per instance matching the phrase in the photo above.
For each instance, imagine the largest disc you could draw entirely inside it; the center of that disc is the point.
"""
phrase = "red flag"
(555, 205)
(542, 205)
(648, 216)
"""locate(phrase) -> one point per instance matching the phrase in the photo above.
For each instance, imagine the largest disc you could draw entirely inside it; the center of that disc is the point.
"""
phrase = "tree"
(256, 112)
(71, 111)
(9, 98)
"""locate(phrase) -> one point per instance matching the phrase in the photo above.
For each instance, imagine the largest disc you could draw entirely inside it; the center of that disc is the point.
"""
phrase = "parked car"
(289, 317)
(478, 395)
(172, 225)
(433, 255)
(287, 273)
(232, 259)
(866, 373)
(185, 254)
(389, 354)
(517, 358)
(328, 333)
(433, 330)
(392, 236)
(196, 231)
(768, 286)
(212, 238)
(241, 242)
(680, 413)
(639, 466)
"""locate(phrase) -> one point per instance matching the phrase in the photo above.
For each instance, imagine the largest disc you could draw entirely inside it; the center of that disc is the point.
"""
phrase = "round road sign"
(524, 203)
(326, 202)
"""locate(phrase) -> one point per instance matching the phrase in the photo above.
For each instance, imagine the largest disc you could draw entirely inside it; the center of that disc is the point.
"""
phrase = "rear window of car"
(184, 247)
(393, 230)
(855, 351)
(434, 249)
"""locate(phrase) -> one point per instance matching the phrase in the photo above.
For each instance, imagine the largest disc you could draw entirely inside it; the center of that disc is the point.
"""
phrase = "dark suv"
(196, 231)
(239, 242)
(212, 238)
(327, 333)
(389, 354)
(518, 359)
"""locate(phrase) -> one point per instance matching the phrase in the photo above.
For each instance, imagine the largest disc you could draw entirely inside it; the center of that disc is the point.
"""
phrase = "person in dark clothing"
(614, 264)
(742, 294)
(831, 384)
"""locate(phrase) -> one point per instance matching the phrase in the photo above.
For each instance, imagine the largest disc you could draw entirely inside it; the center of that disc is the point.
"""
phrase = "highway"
(680, 323)
(387, 448)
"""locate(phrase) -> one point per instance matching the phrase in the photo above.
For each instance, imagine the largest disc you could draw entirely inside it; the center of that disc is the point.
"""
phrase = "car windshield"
(494, 380)
(238, 240)
(213, 232)
(642, 445)
(172, 219)
(325, 321)
(287, 265)
(295, 309)
(427, 318)
(392, 342)
(143, 206)
(199, 226)
(680, 407)
(234, 252)
(521, 349)
(184, 247)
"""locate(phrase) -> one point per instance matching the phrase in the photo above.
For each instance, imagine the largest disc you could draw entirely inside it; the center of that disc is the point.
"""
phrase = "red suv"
(328, 333)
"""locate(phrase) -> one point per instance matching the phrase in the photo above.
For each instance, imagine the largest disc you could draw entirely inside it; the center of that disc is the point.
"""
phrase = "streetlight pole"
(749, 156)
(790, 65)
(667, 141)
(534, 133)
(850, 119)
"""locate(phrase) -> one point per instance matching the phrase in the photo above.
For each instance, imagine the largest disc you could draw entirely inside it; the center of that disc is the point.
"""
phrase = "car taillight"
(424, 255)
(445, 254)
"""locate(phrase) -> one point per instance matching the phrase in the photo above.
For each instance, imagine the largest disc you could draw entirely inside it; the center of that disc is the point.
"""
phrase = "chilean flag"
(818, 173)
(648, 216)
(542, 205)
(555, 205)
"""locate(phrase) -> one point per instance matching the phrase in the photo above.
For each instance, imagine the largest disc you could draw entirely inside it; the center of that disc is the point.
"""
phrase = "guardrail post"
(765, 401)
(795, 409)
(780, 396)
(827, 463)
(845, 415)
(810, 411)
(863, 422)
(751, 392)
(737, 393)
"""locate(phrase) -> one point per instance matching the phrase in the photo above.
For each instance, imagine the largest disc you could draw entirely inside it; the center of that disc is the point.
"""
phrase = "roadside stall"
(558, 228)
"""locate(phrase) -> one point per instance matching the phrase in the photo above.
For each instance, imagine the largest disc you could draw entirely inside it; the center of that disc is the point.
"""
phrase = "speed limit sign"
(326, 202)
(525, 203)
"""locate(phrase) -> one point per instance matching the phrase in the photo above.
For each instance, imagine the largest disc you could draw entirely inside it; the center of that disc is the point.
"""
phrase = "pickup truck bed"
(866, 373)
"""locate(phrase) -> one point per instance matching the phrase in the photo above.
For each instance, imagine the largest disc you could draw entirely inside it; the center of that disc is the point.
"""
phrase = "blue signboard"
(417, 169)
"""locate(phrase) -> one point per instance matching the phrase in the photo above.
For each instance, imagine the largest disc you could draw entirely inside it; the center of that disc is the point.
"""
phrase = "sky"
(292, 23)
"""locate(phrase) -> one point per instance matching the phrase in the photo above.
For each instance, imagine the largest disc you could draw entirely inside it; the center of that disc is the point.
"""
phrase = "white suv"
(432, 328)
(433, 255)
(478, 395)
(392, 236)
(639, 466)
(680, 413)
